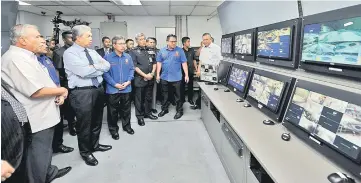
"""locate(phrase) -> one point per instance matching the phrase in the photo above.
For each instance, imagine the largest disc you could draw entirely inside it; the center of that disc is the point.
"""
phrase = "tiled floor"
(163, 151)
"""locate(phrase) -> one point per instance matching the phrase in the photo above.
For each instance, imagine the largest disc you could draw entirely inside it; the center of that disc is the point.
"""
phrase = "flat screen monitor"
(333, 42)
(238, 78)
(226, 45)
(275, 43)
(223, 71)
(243, 44)
(335, 122)
(267, 91)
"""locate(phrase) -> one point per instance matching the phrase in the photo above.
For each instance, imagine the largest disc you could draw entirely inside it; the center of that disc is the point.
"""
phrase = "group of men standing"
(74, 81)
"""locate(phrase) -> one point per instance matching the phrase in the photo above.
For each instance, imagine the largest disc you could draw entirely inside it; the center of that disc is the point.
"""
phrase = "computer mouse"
(268, 122)
(227, 90)
(247, 105)
(286, 136)
(340, 178)
(215, 89)
(239, 100)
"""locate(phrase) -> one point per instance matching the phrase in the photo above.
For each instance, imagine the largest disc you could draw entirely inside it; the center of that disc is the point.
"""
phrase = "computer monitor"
(239, 78)
(270, 92)
(266, 91)
(275, 43)
(227, 45)
(331, 43)
(278, 44)
(222, 72)
(328, 117)
(244, 45)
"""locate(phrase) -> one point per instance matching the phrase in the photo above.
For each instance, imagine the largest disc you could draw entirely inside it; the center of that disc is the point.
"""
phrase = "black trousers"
(190, 91)
(38, 163)
(20, 174)
(119, 105)
(66, 112)
(143, 100)
(174, 87)
(88, 105)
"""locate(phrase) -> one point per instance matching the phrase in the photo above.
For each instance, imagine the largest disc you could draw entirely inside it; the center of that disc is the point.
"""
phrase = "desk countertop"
(286, 162)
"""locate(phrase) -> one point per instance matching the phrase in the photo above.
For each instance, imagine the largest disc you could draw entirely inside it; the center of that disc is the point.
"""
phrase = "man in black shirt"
(145, 67)
(66, 111)
(192, 65)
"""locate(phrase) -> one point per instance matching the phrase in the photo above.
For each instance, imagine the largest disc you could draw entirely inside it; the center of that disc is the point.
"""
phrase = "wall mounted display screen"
(243, 44)
(266, 91)
(336, 122)
(238, 78)
(275, 43)
(333, 42)
(226, 45)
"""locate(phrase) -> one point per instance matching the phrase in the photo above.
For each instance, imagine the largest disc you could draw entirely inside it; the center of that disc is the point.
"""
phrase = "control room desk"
(284, 162)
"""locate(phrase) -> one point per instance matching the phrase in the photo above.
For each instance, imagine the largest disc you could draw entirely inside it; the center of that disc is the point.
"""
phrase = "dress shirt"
(211, 54)
(78, 69)
(171, 60)
(121, 70)
(25, 76)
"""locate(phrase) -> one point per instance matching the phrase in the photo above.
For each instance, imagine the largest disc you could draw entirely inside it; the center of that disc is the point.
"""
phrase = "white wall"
(197, 25)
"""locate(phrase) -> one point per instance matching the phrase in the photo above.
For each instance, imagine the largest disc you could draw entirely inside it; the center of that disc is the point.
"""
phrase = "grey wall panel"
(241, 15)
(9, 11)
(314, 7)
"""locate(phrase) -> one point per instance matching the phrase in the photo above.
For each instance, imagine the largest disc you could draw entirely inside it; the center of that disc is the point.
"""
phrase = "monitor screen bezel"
(250, 71)
(225, 83)
(230, 55)
(329, 67)
(246, 57)
(292, 62)
(288, 86)
(325, 148)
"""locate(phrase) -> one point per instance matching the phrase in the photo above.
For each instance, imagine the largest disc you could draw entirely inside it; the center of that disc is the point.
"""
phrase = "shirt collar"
(113, 54)
(210, 46)
(167, 48)
(78, 47)
(27, 52)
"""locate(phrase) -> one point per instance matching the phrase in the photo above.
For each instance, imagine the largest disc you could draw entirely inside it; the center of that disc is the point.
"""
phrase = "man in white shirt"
(210, 54)
(30, 83)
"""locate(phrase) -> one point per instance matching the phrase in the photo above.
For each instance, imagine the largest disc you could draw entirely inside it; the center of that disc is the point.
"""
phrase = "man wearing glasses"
(143, 80)
(170, 60)
(118, 87)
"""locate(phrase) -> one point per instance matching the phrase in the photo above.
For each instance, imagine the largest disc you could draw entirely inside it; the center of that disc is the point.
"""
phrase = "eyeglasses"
(120, 44)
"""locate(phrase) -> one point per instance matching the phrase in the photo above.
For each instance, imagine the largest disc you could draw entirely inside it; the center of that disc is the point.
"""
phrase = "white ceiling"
(102, 7)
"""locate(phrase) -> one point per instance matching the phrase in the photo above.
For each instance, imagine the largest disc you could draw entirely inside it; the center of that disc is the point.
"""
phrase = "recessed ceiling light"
(23, 3)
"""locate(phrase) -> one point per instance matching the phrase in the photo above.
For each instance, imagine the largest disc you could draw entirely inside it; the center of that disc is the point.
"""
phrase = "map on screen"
(274, 43)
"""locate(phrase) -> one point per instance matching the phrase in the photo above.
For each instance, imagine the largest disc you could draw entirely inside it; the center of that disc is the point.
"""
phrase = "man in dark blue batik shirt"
(118, 87)
(170, 60)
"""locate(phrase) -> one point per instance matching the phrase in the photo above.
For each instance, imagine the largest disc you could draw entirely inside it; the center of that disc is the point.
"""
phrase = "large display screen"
(243, 44)
(266, 91)
(238, 78)
(275, 43)
(333, 42)
(336, 122)
(227, 45)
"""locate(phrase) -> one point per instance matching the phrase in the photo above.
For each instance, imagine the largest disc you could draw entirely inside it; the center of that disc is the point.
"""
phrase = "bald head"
(26, 36)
